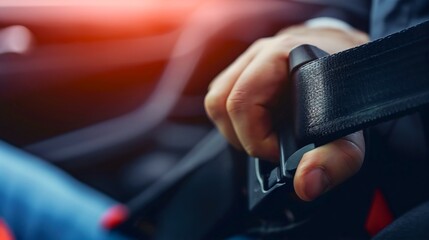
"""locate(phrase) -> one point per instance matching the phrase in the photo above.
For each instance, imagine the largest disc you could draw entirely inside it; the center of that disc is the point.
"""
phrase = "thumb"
(329, 165)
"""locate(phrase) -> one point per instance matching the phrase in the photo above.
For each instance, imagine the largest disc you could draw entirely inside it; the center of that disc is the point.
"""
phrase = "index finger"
(253, 98)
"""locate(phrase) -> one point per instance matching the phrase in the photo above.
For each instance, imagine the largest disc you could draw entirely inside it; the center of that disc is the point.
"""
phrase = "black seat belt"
(331, 96)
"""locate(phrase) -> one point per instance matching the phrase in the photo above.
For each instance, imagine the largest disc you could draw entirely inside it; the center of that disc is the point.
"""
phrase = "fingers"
(243, 99)
(253, 98)
(329, 165)
(219, 90)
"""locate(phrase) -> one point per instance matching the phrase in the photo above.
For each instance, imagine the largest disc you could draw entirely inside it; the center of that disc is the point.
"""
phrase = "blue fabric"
(39, 201)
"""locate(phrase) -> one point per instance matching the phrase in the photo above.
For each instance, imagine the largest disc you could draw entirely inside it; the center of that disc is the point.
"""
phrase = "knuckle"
(258, 44)
(310, 160)
(353, 155)
(215, 106)
(288, 41)
(352, 161)
(236, 102)
(261, 41)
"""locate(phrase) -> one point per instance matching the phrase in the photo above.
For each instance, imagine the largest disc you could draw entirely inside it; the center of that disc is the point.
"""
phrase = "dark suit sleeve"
(354, 12)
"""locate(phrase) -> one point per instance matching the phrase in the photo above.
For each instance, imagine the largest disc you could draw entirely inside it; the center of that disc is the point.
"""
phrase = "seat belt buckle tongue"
(264, 178)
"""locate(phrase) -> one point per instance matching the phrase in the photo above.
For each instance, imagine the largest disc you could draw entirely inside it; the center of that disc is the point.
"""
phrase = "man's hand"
(243, 98)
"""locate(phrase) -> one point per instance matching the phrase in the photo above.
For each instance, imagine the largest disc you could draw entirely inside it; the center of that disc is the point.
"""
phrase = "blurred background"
(112, 91)
(107, 89)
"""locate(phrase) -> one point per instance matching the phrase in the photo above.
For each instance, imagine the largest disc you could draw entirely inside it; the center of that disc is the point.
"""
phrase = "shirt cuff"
(328, 22)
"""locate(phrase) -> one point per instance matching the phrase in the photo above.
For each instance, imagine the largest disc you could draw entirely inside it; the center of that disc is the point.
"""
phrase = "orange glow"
(93, 60)
(100, 16)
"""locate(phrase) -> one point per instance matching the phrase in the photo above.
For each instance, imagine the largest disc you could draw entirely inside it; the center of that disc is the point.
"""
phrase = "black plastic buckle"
(264, 179)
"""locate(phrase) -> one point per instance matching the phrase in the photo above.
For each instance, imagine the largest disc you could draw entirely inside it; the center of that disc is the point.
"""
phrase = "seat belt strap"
(339, 94)
(331, 96)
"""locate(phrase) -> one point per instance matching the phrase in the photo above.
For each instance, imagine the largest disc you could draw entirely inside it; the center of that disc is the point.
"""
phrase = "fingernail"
(316, 183)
